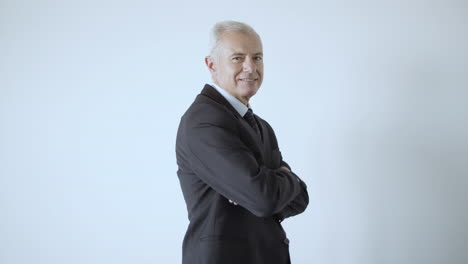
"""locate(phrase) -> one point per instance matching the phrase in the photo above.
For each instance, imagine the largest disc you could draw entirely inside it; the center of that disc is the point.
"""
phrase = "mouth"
(248, 79)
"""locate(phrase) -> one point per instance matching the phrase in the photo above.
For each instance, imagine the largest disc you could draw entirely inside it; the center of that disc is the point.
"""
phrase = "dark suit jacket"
(220, 157)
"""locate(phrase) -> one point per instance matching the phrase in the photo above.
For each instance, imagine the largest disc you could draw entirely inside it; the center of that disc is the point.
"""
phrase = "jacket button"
(286, 241)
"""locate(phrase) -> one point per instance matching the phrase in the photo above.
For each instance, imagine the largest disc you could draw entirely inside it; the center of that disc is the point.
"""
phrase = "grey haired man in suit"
(236, 185)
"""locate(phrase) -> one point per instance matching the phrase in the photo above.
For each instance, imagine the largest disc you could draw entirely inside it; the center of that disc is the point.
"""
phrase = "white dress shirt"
(236, 103)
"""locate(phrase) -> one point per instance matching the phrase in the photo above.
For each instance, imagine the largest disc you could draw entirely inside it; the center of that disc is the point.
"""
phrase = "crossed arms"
(223, 161)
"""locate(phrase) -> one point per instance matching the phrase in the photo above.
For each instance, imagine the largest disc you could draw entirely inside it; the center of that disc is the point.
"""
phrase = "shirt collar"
(236, 103)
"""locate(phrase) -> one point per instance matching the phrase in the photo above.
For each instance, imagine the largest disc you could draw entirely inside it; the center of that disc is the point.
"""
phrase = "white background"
(368, 100)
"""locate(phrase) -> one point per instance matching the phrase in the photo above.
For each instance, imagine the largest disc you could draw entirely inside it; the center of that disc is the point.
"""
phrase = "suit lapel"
(262, 129)
(254, 141)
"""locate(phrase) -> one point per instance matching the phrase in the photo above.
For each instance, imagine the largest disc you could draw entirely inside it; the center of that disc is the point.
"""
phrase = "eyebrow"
(242, 54)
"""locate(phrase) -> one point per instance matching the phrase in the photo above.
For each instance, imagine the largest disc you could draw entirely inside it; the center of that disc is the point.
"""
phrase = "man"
(235, 183)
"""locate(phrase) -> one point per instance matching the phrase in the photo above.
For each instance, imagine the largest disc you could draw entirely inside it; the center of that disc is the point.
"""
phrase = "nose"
(249, 65)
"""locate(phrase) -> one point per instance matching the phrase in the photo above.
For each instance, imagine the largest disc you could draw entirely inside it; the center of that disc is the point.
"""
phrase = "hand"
(232, 202)
(288, 170)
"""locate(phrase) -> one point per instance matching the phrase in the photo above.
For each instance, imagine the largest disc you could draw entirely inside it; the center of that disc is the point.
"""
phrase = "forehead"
(236, 42)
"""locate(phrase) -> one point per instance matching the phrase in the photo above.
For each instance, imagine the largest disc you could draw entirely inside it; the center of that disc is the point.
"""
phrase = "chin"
(250, 92)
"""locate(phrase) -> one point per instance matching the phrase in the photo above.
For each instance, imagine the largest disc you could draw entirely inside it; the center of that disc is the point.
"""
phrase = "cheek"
(234, 74)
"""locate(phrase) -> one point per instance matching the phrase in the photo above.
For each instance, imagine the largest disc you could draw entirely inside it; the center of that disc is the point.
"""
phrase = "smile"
(248, 80)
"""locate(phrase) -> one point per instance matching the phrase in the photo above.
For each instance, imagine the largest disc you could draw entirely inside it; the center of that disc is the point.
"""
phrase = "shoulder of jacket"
(209, 112)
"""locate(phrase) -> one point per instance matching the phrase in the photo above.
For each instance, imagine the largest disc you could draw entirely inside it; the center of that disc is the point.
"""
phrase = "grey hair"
(227, 26)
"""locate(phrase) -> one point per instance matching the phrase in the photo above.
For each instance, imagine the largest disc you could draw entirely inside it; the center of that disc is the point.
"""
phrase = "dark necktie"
(249, 117)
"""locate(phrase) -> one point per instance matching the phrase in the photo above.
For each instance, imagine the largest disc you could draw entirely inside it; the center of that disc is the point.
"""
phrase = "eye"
(258, 58)
(236, 58)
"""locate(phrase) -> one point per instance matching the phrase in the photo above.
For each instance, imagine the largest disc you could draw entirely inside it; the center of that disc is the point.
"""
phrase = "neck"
(244, 100)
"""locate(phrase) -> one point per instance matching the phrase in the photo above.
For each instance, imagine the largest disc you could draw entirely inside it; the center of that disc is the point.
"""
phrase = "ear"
(209, 61)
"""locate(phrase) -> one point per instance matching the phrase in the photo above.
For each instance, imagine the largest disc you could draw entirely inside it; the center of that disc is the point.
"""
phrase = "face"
(237, 64)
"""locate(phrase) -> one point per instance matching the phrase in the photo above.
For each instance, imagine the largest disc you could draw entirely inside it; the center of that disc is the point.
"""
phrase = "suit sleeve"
(221, 159)
(296, 206)
(301, 201)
